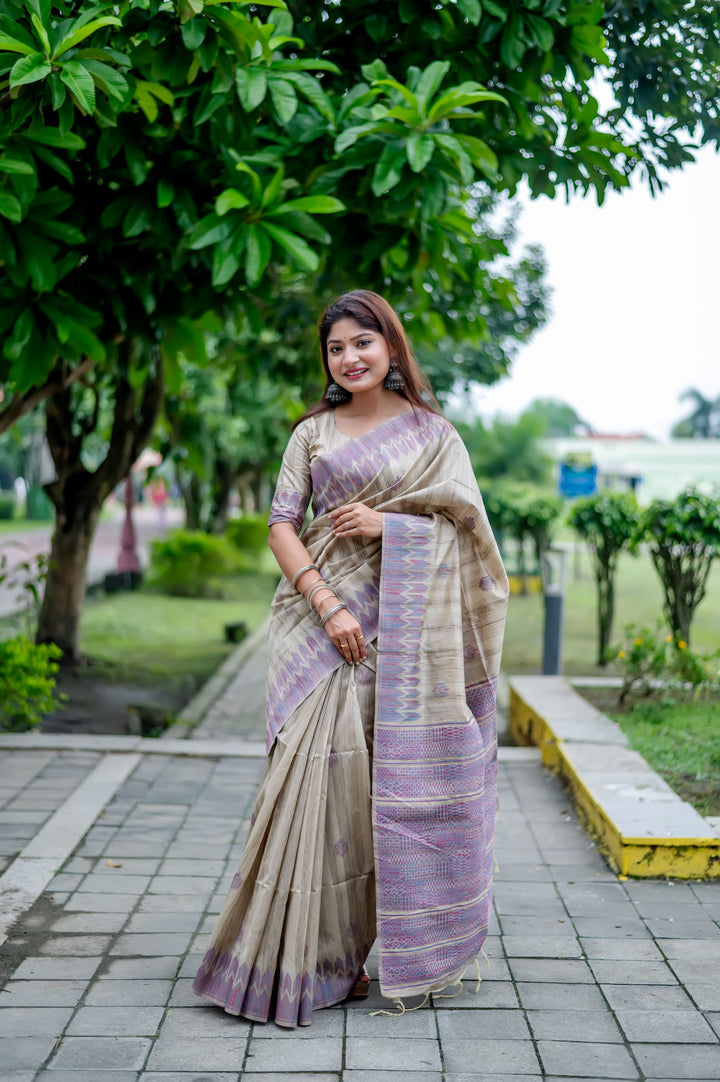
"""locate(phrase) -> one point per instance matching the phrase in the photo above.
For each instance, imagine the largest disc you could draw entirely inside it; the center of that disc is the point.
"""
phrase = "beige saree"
(375, 814)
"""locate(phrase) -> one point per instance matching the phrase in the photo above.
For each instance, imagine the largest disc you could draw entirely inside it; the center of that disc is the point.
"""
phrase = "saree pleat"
(305, 882)
(331, 860)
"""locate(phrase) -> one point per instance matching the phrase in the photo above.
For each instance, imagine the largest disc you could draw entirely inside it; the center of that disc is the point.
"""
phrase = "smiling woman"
(375, 815)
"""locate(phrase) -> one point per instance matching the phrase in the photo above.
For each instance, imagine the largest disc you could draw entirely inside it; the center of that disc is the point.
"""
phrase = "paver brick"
(670, 1061)
(496, 1057)
(43, 993)
(33, 1021)
(132, 993)
(392, 1054)
(489, 1024)
(116, 1021)
(101, 1053)
(584, 1060)
(49, 969)
(653, 1026)
(588, 1026)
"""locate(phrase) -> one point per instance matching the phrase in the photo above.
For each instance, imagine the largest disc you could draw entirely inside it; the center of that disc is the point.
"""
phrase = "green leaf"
(136, 220)
(273, 191)
(148, 94)
(14, 344)
(10, 207)
(513, 45)
(311, 204)
(230, 199)
(29, 69)
(419, 149)
(226, 258)
(53, 137)
(13, 165)
(209, 230)
(79, 82)
(483, 158)
(58, 164)
(284, 99)
(295, 246)
(257, 254)
(461, 96)
(388, 170)
(41, 31)
(81, 32)
(471, 10)
(431, 79)
(311, 90)
(541, 31)
(251, 87)
(193, 33)
(107, 79)
(37, 255)
(14, 38)
(63, 231)
(165, 193)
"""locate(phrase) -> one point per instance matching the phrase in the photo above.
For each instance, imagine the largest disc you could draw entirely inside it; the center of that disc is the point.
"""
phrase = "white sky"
(635, 305)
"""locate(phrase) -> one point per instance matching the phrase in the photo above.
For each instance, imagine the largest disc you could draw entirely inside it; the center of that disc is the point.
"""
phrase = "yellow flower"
(668, 638)
(637, 642)
(682, 645)
(621, 653)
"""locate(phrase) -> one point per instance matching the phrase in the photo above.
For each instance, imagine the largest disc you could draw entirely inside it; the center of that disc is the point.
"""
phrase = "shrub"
(654, 663)
(190, 563)
(7, 505)
(249, 533)
(606, 521)
(683, 536)
(27, 679)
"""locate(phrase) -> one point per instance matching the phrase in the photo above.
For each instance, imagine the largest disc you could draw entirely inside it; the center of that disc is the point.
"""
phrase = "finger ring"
(343, 645)
(360, 637)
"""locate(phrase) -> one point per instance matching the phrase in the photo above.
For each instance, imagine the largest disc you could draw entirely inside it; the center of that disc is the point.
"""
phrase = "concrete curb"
(642, 826)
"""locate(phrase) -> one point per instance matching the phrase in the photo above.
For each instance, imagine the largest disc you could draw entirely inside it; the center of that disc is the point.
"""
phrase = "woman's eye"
(364, 342)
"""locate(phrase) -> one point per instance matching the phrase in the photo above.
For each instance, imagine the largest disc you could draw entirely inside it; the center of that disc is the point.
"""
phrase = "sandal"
(361, 988)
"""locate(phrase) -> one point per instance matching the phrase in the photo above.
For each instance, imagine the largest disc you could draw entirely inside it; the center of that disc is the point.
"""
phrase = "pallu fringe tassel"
(402, 1009)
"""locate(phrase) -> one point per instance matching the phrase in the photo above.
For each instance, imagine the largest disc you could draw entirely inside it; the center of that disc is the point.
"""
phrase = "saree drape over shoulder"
(375, 815)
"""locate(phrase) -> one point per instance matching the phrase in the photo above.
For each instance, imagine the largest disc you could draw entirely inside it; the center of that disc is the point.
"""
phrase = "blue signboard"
(577, 480)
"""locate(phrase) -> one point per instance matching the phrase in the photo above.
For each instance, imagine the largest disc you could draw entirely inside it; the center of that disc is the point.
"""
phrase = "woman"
(375, 814)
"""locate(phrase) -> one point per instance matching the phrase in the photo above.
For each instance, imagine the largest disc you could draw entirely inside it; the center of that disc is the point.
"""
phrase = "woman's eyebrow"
(338, 341)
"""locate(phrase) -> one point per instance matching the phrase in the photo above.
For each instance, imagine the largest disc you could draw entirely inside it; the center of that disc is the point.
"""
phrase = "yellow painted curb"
(630, 855)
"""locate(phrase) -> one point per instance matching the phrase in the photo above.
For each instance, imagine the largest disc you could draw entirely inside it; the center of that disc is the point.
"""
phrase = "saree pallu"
(376, 811)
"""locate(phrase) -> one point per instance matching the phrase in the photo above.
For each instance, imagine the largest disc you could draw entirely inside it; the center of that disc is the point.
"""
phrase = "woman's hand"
(356, 520)
(345, 632)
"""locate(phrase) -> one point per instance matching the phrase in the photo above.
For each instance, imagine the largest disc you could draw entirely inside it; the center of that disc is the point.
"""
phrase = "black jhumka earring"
(393, 380)
(336, 394)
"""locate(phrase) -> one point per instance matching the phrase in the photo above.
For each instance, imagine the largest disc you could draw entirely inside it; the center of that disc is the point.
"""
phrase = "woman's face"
(358, 358)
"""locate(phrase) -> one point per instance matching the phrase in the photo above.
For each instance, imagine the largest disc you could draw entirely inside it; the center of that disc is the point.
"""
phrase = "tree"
(558, 418)
(704, 421)
(607, 521)
(507, 449)
(162, 160)
(683, 536)
(523, 513)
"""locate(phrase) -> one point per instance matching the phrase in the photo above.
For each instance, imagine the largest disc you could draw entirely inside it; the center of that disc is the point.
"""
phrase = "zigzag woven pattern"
(433, 821)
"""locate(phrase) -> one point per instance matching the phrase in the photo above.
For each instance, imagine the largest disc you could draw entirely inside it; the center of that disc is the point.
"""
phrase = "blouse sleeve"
(294, 485)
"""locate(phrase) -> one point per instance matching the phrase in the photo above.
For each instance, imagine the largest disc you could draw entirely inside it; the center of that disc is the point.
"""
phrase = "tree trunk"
(605, 578)
(61, 609)
(190, 491)
(222, 486)
(78, 494)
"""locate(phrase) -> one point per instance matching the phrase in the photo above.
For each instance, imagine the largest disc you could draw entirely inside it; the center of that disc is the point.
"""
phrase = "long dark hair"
(373, 313)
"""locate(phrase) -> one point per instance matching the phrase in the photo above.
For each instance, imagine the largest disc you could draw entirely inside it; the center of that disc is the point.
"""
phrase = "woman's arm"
(342, 628)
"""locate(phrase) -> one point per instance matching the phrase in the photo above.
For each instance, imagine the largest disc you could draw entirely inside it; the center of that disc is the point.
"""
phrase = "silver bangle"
(316, 586)
(324, 619)
(308, 567)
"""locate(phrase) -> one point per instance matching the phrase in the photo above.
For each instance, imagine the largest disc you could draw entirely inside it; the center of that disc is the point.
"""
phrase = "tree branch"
(59, 381)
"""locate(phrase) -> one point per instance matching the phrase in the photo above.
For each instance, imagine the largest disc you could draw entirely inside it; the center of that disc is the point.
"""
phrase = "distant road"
(24, 544)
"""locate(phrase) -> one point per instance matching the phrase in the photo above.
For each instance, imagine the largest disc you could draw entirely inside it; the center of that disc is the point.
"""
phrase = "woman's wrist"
(326, 602)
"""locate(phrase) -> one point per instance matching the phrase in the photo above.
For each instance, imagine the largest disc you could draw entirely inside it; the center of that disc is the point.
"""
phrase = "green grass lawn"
(680, 742)
(638, 600)
(149, 637)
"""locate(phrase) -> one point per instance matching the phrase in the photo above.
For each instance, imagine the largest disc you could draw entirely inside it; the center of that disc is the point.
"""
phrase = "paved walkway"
(587, 977)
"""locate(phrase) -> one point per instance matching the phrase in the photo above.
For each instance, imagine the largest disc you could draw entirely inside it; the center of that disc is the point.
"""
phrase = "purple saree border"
(433, 825)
